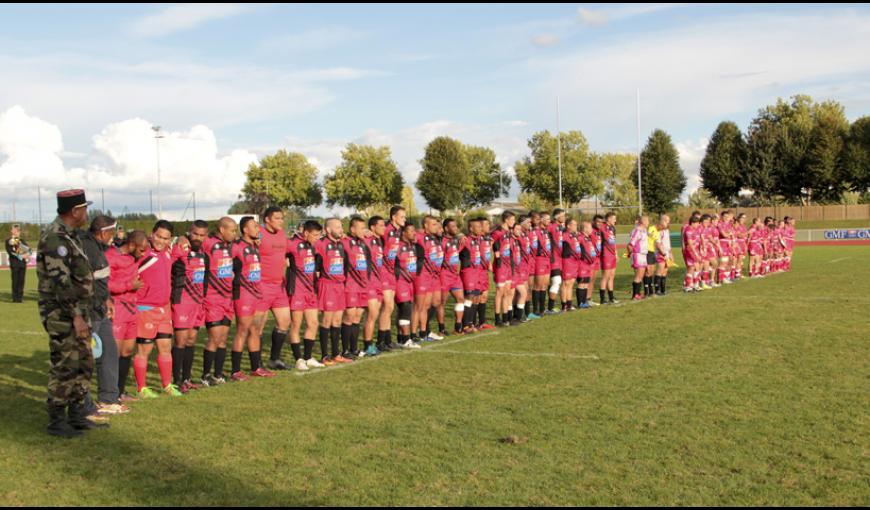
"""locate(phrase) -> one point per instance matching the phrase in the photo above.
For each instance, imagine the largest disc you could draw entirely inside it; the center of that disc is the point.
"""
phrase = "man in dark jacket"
(19, 255)
(95, 242)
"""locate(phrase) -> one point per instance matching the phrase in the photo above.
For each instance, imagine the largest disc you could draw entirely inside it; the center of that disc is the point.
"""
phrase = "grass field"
(753, 394)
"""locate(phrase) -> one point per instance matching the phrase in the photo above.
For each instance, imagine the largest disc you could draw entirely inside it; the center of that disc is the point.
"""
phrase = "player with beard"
(219, 311)
(188, 293)
(451, 281)
(331, 302)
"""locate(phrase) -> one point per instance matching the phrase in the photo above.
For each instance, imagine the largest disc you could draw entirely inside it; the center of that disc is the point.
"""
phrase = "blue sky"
(230, 83)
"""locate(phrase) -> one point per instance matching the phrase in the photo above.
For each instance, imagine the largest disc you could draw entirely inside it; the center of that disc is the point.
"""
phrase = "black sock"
(297, 351)
(256, 360)
(324, 342)
(388, 337)
(457, 326)
(518, 312)
(551, 303)
(345, 337)
(335, 339)
(177, 357)
(354, 338)
(187, 370)
(610, 295)
(663, 283)
(601, 293)
(278, 339)
(468, 315)
(207, 361)
(308, 348)
(236, 362)
(123, 372)
(498, 319)
(367, 344)
(481, 313)
(441, 327)
(220, 356)
(431, 315)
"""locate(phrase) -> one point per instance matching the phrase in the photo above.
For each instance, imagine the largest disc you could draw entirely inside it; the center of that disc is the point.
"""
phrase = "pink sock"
(164, 363)
(140, 368)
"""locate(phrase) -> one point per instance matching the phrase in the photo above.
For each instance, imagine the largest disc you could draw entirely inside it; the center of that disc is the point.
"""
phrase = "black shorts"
(556, 272)
(651, 259)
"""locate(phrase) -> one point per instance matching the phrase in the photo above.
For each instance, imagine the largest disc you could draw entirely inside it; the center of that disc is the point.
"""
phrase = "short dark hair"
(447, 221)
(695, 219)
(407, 226)
(598, 217)
(534, 214)
(395, 210)
(137, 237)
(165, 225)
(272, 209)
(610, 214)
(312, 226)
(356, 219)
(557, 211)
(706, 217)
(374, 221)
(199, 224)
(244, 221)
(507, 214)
(100, 222)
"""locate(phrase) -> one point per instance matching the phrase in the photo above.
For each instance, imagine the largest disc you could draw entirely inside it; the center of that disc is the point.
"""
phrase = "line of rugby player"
(346, 289)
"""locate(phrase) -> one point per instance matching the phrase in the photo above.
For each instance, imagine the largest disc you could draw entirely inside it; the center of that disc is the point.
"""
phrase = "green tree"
(367, 176)
(539, 172)
(408, 202)
(762, 169)
(619, 171)
(702, 199)
(722, 169)
(856, 155)
(445, 175)
(285, 179)
(822, 177)
(533, 202)
(486, 180)
(662, 179)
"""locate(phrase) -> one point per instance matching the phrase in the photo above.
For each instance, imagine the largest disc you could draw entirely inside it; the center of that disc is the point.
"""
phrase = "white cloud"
(178, 18)
(30, 150)
(599, 17)
(170, 91)
(691, 154)
(316, 39)
(123, 162)
(680, 72)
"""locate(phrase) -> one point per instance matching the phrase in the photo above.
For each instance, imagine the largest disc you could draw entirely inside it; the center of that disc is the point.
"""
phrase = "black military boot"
(58, 425)
(78, 418)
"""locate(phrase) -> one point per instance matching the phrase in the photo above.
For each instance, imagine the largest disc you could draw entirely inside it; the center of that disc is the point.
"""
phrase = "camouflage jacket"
(66, 281)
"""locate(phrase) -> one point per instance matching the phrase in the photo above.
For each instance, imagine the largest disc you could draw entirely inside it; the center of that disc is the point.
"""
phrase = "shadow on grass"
(109, 462)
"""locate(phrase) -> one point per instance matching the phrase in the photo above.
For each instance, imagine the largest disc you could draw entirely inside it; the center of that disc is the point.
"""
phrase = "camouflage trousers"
(72, 363)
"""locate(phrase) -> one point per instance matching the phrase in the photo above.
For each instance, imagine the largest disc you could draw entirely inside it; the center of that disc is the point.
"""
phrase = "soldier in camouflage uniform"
(66, 290)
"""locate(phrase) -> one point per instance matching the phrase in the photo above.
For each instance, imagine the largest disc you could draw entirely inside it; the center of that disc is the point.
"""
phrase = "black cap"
(70, 199)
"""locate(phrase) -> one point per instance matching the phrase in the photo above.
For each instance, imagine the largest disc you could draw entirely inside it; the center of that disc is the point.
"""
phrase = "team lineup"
(323, 281)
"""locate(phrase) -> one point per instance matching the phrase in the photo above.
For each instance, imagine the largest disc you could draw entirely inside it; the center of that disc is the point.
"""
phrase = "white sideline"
(839, 260)
(396, 354)
(35, 333)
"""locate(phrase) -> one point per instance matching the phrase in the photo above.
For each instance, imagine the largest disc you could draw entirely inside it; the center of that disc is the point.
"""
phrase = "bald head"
(227, 229)
(334, 229)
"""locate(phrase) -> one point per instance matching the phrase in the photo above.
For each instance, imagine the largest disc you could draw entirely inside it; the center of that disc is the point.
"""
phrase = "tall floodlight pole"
(639, 191)
(39, 202)
(559, 151)
(157, 137)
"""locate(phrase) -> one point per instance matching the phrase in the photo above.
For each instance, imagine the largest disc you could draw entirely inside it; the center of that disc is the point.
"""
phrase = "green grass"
(753, 394)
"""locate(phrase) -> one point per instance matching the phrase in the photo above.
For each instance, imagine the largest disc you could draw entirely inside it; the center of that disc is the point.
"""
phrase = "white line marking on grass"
(34, 333)
(839, 260)
(518, 354)
(396, 354)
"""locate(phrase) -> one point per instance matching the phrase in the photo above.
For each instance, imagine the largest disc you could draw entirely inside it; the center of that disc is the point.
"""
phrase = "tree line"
(796, 151)
(459, 177)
